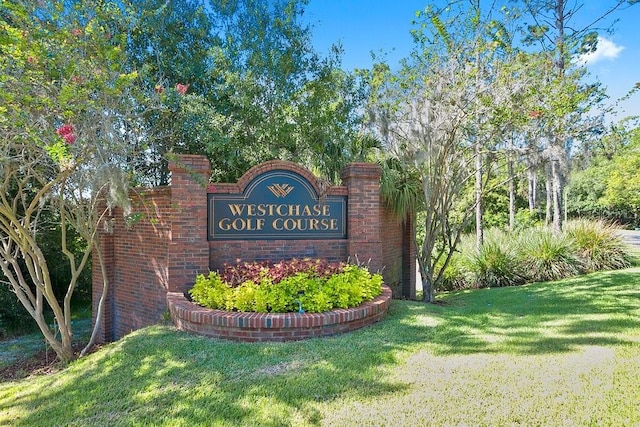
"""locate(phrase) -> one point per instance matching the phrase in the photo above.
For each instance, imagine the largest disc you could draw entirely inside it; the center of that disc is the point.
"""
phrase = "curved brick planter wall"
(191, 317)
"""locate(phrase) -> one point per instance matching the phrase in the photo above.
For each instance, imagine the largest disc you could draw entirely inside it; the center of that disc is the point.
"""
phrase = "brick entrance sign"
(276, 211)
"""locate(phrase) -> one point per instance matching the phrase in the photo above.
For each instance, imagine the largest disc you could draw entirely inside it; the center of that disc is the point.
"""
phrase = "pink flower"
(66, 132)
(182, 89)
(69, 138)
(76, 32)
(535, 114)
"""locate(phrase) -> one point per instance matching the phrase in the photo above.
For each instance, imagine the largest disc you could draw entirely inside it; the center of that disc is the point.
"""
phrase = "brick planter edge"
(253, 327)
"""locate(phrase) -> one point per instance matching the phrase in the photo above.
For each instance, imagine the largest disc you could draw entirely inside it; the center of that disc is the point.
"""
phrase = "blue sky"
(364, 26)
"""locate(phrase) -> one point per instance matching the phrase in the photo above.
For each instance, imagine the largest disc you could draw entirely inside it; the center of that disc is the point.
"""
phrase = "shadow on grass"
(158, 376)
(594, 310)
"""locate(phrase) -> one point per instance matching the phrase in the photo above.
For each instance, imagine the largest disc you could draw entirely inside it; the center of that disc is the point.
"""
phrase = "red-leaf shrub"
(237, 274)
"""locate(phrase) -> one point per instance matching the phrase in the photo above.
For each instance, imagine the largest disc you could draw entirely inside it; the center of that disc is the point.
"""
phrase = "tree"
(552, 30)
(64, 100)
(168, 43)
(427, 116)
(257, 90)
(609, 187)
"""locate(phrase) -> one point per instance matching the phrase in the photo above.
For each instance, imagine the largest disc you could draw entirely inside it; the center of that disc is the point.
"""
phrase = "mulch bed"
(43, 362)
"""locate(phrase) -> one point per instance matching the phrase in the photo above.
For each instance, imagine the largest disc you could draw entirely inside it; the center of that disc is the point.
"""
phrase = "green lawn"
(563, 353)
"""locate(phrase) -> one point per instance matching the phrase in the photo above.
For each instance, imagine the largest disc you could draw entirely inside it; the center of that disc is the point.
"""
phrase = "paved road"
(631, 237)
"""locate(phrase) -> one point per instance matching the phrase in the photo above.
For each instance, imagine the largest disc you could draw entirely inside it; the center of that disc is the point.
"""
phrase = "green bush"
(526, 219)
(269, 290)
(496, 265)
(598, 244)
(458, 274)
(534, 254)
(546, 257)
(211, 291)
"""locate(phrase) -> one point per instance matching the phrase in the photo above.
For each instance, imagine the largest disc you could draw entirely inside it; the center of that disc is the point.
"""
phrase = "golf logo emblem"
(280, 190)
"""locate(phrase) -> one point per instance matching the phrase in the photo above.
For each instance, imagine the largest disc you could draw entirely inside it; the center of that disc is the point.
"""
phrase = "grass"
(561, 353)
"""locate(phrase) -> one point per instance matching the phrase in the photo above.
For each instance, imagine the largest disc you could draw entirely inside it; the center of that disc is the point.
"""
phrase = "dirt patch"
(29, 355)
(43, 362)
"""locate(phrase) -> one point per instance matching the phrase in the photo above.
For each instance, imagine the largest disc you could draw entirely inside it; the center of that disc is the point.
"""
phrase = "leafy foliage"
(14, 319)
(287, 286)
(495, 265)
(236, 274)
(608, 188)
(257, 89)
(64, 98)
(535, 255)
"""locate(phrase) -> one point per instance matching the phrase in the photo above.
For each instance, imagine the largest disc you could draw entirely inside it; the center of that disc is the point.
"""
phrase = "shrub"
(546, 257)
(534, 254)
(598, 244)
(526, 219)
(313, 285)
(457, 275)
(211, 291)
(496, 265)
(237, 274)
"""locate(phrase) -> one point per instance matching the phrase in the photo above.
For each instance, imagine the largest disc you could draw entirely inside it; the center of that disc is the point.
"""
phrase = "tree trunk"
(100, 311)
(512, 196)
(428, 293)
(532, 176)
(478, 196)
(557, 188)
(426, 274)
(549, 204)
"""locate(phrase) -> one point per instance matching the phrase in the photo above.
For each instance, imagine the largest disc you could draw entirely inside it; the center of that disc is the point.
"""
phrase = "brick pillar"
(409, 257)
(105, 242)
(364, 213)
(188, 251)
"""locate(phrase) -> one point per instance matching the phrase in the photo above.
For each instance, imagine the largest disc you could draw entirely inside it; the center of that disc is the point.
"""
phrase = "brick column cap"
(361, 170)
(189, 163)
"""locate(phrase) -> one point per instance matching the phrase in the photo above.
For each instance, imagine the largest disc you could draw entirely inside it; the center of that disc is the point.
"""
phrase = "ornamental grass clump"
(496, 265)
(546, 257)
(598, 245)
(288, 286)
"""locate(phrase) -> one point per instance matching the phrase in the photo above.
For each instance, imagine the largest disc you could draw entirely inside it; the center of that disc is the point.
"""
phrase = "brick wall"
(166, 247)
(136, 262)
(252, 327)
(161, 251)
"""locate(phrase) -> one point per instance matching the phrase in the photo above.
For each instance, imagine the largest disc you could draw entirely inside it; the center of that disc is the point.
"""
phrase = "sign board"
(277, 204)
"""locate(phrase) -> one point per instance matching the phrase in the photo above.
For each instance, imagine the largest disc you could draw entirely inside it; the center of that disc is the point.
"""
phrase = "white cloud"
(606, 50)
